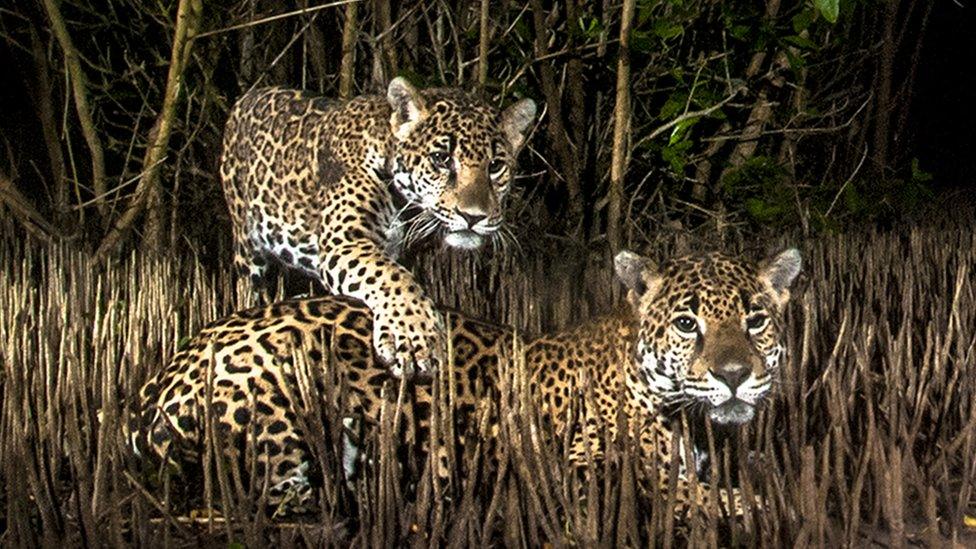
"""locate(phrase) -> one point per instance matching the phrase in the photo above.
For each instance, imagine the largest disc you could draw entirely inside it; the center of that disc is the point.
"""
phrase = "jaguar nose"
(471, 218)
(732, 375)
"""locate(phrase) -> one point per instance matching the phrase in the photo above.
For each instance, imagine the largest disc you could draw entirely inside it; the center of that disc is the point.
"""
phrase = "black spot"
(159, 436)
(186, 423)
(284, 467)
(277, 427)
(234, 369)
(242, 416)
(219, 408)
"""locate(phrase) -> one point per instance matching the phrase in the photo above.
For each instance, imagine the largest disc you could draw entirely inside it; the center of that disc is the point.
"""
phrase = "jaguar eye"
(439, 158)
(496, 166)
(756, 322)
(686, 324)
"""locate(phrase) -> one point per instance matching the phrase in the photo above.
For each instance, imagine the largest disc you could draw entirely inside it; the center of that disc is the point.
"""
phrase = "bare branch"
(483, 45)
(79, 88)
(187, 17)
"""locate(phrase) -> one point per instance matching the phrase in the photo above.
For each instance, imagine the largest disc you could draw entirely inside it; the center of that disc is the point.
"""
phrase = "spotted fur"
(645, 362)
(335, 189)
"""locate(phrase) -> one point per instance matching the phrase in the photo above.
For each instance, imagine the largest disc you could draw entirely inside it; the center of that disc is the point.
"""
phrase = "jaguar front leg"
(408, 333)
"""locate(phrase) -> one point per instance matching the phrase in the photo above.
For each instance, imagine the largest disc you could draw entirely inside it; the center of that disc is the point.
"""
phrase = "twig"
(187, 18)
(157, 504)
(789, 131)
(79, 88)
(271, 18)
(688, 116)
(849, 179)
(22, 209)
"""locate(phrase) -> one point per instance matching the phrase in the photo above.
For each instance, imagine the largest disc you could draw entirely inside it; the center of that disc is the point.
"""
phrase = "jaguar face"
(711, 329)
(455, 159)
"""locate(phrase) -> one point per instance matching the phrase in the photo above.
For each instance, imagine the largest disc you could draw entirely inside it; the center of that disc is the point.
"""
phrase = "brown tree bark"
(49, 127)
(147, 195)
(483, 39)
(384, 30)
(883, 83)
(761, 112)
(79, 89)
(24, 211)
(621, 129)
(555, 128)
(347, 72)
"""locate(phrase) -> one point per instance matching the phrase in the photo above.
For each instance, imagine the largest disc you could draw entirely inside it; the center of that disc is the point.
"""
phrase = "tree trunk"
(483, 40)
(347, 73)
(46, 113)
(79, 88)
(762, 111)
(384, 31)
(621, 129)
(147, 193)
(885, 74)
(555, 128)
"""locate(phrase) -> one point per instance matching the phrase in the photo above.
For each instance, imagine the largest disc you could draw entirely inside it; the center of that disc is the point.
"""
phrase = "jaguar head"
(454, 159)
(711, 330)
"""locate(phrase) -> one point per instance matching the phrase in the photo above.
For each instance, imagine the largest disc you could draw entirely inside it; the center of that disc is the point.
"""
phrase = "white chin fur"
(464, 239)
(732, 413)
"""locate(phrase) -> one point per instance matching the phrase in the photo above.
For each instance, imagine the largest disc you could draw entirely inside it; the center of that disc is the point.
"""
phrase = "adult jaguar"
(308, 183)
(701, 329)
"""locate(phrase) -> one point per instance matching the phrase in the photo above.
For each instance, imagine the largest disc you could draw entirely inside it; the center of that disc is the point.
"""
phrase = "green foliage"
(763, 191)
(760, 188)
(830, 9)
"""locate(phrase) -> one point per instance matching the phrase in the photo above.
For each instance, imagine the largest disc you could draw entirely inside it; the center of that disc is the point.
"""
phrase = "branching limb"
(147, 191)
(79, 89)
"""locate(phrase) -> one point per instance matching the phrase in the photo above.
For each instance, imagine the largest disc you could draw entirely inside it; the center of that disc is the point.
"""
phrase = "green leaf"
(918, 174)
(796, 62)
(674, 105)
(676, 155)
(681, 130)
(641, 42)
(739, 32)
(802, 20)
(665, 30)
(830, 9)
(801, 42)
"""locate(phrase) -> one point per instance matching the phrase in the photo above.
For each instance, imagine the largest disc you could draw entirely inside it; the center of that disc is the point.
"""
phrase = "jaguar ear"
(779, 273)
(637, 273)
(408, 107)
(516, 121)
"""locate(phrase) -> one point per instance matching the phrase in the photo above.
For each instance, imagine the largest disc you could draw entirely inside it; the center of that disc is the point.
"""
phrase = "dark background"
(869, 120)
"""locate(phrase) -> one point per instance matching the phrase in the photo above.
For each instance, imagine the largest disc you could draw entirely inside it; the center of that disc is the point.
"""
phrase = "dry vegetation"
(734, 115)
(872, 439)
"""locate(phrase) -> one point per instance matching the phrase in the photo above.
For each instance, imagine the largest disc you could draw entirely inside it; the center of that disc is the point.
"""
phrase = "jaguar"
(337, 190)
(703, 331)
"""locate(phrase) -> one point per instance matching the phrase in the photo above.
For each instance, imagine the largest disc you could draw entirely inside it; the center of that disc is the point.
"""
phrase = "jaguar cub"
(702, 332)
(334, 188)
